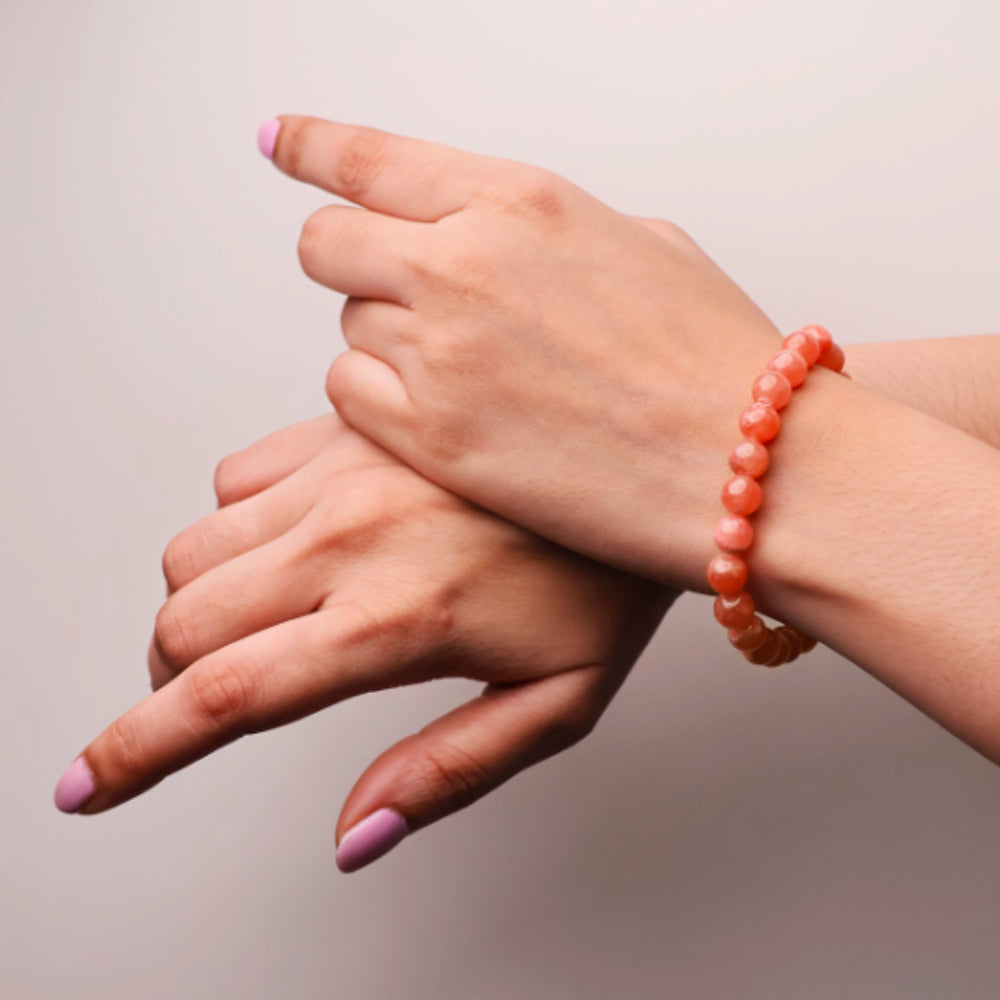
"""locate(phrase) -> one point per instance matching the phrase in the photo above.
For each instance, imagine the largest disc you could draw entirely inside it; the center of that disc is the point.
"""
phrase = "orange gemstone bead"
(832, 358)
(750, 636)
(749, 458)
(807, 642)
(805, 343)
(792, 365)
(772, 388)
(766, 651)
(727, 573)
(742, 495)
(760, 421)
(821, 333)
(792, 640)
(733, 533)
(734, 610)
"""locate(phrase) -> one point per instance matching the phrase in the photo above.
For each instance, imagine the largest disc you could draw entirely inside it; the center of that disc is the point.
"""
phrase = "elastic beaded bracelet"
(742, 495)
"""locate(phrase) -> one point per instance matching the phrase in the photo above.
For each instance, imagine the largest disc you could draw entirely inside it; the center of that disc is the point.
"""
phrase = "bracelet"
(742, 495)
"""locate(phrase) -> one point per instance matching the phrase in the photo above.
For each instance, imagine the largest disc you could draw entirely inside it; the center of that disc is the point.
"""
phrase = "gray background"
(723, 833)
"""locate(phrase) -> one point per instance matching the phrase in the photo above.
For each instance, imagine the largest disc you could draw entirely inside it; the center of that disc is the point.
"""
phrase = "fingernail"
(267, 136)
(75, 787)
(368, 840)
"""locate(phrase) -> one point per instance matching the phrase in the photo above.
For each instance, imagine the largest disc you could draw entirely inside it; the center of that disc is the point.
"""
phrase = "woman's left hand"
(330, 570)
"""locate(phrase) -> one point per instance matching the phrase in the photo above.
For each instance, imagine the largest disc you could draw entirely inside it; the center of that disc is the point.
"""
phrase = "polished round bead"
(749, 458)
(727, 573)
(832, 358)
(733, 533)
(821, 334)
(765, 652)
(760, 421)
(734, 610)
(805, 343)
(772, 388)
(742, 495)
(750, 636)
(791, 364)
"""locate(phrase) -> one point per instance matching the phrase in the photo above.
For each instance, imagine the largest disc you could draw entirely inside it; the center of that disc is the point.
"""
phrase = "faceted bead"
(764, 653)
(806, 343)
(806, 642)
(760, 421)
(727, 573)
(750, 636)
(782, 654)
(742, 495)
(791, 364)
(772, 388)
(733, 533)
(749, 458)
(734, 610)
(791, 638)
(832, 358)
(821, 333)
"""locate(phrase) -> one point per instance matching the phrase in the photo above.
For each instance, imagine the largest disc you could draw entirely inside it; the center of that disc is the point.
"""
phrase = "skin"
(307, 511)
(330, 559)
(526, 346)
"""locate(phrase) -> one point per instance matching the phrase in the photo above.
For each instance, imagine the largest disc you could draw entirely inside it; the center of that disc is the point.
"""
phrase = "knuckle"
(445, 441)
(297, 136)
(455, 774)
(226, 480)
(125, 745)
(673, 233)
(338, 381)
(312, 240)
(171, 634)
(360, 164)
(179, 561)
(537, 192)
(221, 698)
(466, 273)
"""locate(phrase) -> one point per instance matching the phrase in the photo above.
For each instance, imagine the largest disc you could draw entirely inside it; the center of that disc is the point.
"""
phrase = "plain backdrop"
(724, 833)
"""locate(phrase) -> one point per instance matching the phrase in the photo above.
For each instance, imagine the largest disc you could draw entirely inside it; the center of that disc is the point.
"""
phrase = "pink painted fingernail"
(267, 136)
(368, 840)
(75, 787)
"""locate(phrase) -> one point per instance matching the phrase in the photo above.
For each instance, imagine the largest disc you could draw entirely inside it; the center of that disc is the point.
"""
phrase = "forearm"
(875, 537)
(955, 379)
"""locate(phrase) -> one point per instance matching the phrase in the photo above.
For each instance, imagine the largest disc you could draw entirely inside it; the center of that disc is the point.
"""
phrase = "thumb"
(465, 754)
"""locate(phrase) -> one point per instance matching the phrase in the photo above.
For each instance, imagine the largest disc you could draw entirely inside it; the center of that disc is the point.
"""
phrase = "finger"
(269, 460)
(381, 329)
(237, 528)
(465, 754)
(369, 394)
(254, 591)
(269, 679)
(360, 253)
(407, 178)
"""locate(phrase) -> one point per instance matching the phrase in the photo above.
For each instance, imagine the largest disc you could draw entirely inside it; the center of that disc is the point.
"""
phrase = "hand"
(524, 345)
(330, 570)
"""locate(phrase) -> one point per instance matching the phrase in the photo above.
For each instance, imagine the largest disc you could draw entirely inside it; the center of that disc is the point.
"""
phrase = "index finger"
(407, 178)
(265, 680)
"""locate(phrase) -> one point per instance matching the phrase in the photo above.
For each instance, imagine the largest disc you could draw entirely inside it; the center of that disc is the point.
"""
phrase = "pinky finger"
(464, 755)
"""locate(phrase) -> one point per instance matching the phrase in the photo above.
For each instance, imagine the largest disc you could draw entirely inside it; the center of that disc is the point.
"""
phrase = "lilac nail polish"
(75, 787)
(267, 136)
(368, 840)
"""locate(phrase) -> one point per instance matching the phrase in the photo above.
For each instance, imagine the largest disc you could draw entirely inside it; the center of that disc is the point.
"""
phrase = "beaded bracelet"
(742, 495)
